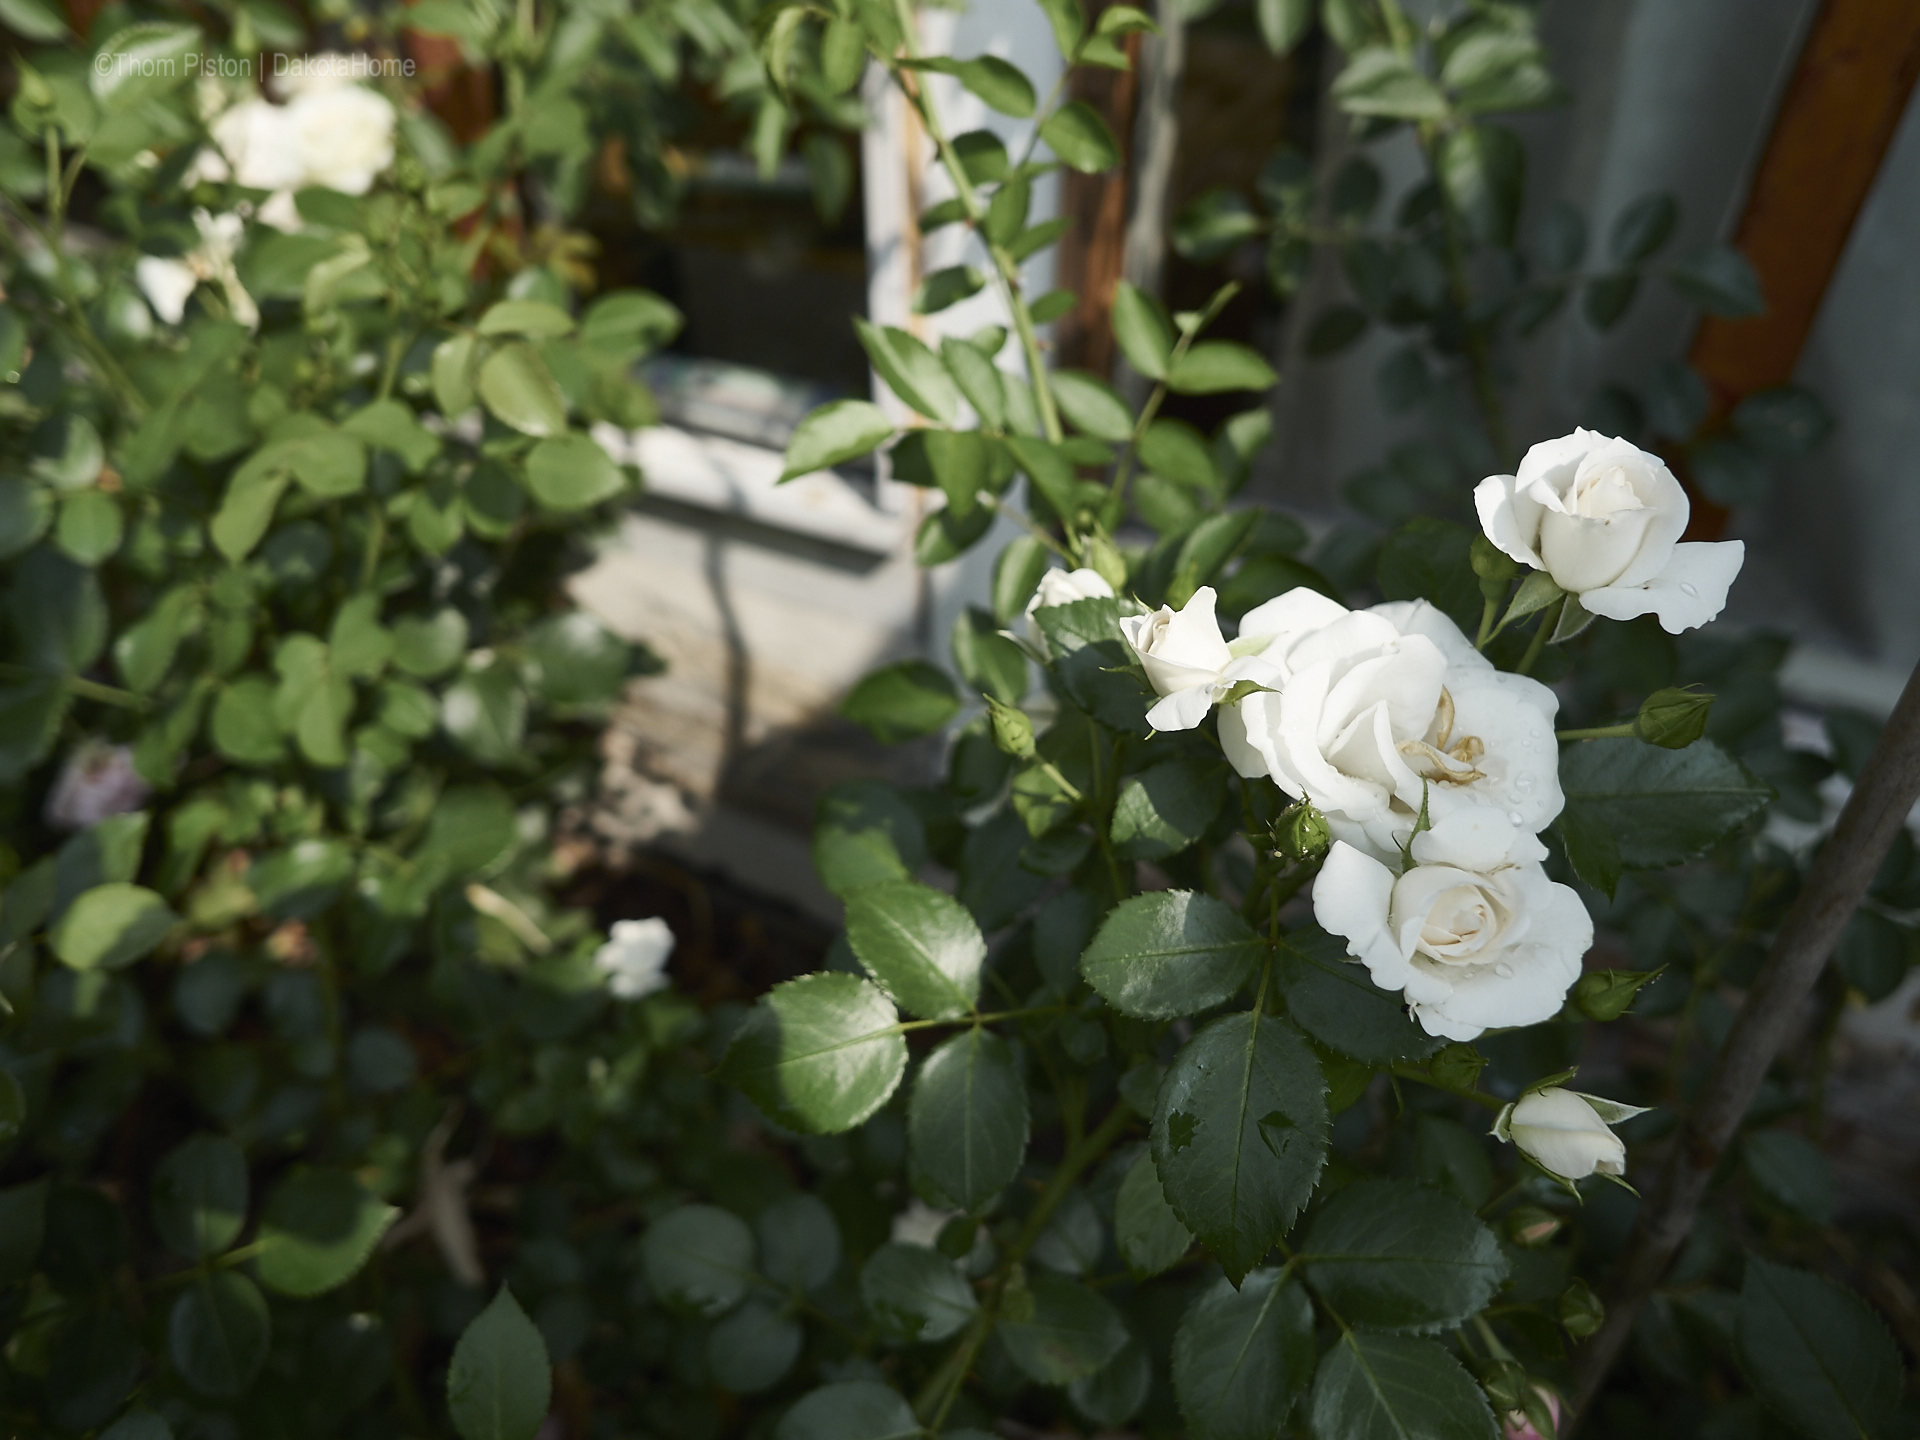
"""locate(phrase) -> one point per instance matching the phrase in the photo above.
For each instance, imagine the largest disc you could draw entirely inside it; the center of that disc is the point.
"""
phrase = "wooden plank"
(1853, 81)
(1092, 255)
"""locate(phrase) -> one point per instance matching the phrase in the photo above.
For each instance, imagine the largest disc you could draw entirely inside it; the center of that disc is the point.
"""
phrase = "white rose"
(257, 138)
(1473, 934)
(167, 283)
(1187, 660)
(1059, 587)
(96, 781)
(1376, 712)
(1604, 519)
(1565, 1133)
(634, 959)
(343, 135)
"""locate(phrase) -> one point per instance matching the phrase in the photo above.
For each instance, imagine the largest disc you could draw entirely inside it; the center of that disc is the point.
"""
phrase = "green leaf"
(142, 63)
(1072, 1332)
(218, 1333)
(1818, 1355)
(571, 472)
(850, 1410)
(1782, 423)
(358, 644)
(1660, 806)
(110, 926)
(26, 509)
(472, 826)
(866, 833)
(246, 511)
(819, 1054)
(1069, 23)
(911, 370)
(754, 1347)
(1394, 1387)
(1215, 366)
(916, 1293)
(90, 527)
(967, 1118)
(243, 727)
(1174, 450)
(34, 20)
(575, 660)
(946, 288)
(1499, 70)
(1483, 170)
(1395, 1255)
(978, 379)
(427, 646)
(1147, 1233)
(1093, 405)
(1166, 808)
(1335, 1001)
(535, 319)
(1016, 575)
(699, 1259)
(1642, 228)
(23, 1220)
(520, 391)
(835, 433)
(994, 80)
(1049, 470)
(391, 425)
(499, 1384)
(451, 375)
(920, 944)
(1239, 1135)
(318, 1229)
(199, 1196)
(903, 701)
(1283, 23)
(138, 1424)
(1114, 1393)
(986, 659)
(1383, 82)
(1792, 1171)
(485, 711)
(1428, 559)
(1076, 133)
(799, 1242)
(1721, 281)
(1170, 952)
(91, 1365)
(1242, 1357)
(1143, 330)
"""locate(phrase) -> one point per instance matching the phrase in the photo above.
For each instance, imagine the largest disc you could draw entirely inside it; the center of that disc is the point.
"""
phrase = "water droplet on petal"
(1504, 971)
(1523, 783)
(1689, 591)
(1516, 817)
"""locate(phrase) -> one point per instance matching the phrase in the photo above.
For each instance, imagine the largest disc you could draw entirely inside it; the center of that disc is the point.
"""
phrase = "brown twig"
(1887, 789)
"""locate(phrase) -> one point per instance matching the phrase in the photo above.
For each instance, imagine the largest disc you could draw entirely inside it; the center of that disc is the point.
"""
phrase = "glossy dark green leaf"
(1661, 806)
(911, 370)
(1791, 1170)
(903, 701)
(1143, 330)
(920, 944)
(110, 926)
(427, 646)
(1239, 1135)
(967, 1117)
(988, 660)
(754, 1347)
(218, 1333)
(1113, 1394)
(499, 1384)
(835, 433)
(1071, 1333)
(92, 1362)
(1394, 1387)
(1076, 133)
(866, 833)
(1721, 281)
(199, 1196)
(850, 1410)
(1383, 82)
(318, 1229)
(1147, 1233)
(1395, 1255)
(1166, 808)
(819, 1054)
(1092, 405)
(699, 1259)
(1818, 1355)
(1642, 228)
(1333, 999)
(518, 388)
(572, 472)
(1212, 367)
(1242, 1357)
(915, 1293)
(799, 1242)
(1170, 952)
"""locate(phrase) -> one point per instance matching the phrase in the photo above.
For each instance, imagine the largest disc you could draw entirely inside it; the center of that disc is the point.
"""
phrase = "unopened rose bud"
(1674, 718)
(1103, 557)
(1457, 1067)
(1580, 1310)
(1608, 994)
(1565, 1133)
(1012, 729)
(1302, 833)
(1531, 1226)
(1495, 568)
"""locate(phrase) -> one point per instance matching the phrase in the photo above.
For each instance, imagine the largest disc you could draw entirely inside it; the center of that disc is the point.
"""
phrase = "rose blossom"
(1565, 1133)
(1060, 587)
(1374, 713)
(634, 959)
(1473, 933)
(1604, 519)
(331, 132)
(96, 781)
(167, 282)
(1187, 660)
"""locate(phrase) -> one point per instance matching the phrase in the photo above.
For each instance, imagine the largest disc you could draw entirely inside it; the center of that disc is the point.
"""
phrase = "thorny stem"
(937, 1396)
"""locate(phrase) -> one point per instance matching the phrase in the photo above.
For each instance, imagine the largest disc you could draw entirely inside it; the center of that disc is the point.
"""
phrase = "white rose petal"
(1187, 660)
(1604, 519)
(166, 284)
(634, 959)
(1372, 714)
(1060, 587)
(343, 135)
(258, 140)
(96, 781)
(1564, 1135)
(1473, 934)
